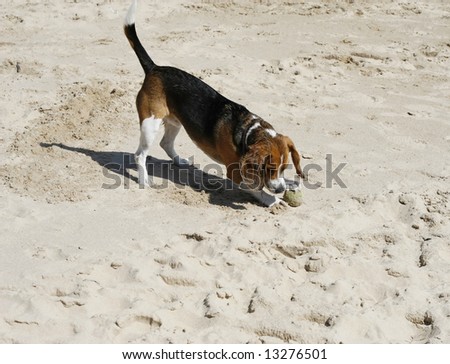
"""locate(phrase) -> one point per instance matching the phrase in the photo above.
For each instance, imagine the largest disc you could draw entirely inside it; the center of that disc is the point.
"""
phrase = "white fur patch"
(250, 130)
(131, 14)
(149, 130)
(271, 132)
(150, 126)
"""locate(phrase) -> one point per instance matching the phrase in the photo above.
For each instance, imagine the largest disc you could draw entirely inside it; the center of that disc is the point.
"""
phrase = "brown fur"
(151, 99)
(264, 160)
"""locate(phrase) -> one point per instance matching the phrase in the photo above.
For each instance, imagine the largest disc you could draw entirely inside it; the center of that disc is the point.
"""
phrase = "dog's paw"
(272, 201)
(264, 198)
(279, 203)
(181, 162)
(143, 186)
(278, 207)
(145, 182)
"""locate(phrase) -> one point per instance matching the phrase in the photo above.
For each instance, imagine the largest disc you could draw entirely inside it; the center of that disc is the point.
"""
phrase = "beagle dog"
(254, 154)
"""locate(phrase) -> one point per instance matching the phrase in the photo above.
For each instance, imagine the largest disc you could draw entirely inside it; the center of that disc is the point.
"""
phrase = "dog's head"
(265, 161)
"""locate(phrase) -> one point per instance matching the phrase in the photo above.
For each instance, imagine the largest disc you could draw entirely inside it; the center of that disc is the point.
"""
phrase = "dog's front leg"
(268, 200)
(262, 196)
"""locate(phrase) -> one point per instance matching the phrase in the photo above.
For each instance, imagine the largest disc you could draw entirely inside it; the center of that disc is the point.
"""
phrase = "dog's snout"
(277, 186)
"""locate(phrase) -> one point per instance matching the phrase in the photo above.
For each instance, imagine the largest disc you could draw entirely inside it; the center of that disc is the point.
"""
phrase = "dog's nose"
(279, 189)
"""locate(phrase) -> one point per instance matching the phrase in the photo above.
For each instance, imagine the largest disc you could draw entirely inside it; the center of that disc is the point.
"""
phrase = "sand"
(88, 257)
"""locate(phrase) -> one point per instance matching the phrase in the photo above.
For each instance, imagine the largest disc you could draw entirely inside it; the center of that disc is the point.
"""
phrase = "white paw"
(143, 186)
(275, 202)
(144, 180)
(181, 162)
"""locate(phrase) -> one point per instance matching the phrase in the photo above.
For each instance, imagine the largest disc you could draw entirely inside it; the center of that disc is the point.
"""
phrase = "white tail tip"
(131, 14)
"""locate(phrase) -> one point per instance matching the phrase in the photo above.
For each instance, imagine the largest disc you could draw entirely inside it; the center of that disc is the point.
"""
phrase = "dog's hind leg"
(149, 130)
(172, 128)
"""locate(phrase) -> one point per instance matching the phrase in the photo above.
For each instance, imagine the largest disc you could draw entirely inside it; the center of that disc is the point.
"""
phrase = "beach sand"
(88, 257)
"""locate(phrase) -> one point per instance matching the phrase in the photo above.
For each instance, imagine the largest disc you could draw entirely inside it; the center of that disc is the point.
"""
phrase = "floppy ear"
(295, 157)
(252, 168)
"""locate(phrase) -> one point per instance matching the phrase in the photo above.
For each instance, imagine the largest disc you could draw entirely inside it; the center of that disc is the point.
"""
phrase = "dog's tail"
(130, 31)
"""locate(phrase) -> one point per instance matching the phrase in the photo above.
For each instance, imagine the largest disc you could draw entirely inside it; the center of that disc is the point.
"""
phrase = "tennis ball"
(294, 198)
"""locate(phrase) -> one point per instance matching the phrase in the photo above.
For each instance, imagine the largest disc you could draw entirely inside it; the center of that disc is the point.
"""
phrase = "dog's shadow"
(117, 166)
